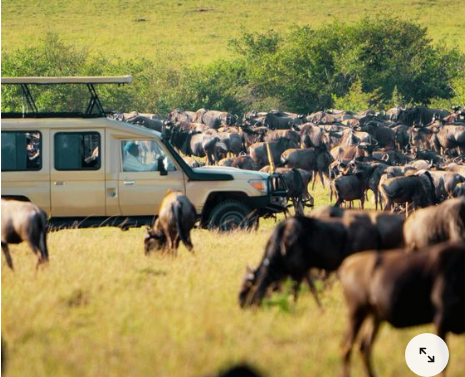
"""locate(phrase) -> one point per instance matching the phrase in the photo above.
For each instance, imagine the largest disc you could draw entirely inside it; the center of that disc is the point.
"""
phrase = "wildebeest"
(420, 115)
(389, 226)
(176, 218)
(259, 151)
(310, 159)
(450, 137)
(417, 190)
(348, 188)
(198, 144)
(297, 181)
(24, 221)
(428, 226)
(301, 243)
(404, 290)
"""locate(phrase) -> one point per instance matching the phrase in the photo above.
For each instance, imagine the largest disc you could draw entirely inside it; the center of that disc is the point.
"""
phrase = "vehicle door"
(147, 173)
(78, 173)
(24, 162)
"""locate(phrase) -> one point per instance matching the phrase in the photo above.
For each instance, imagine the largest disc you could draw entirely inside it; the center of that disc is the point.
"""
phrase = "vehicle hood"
(235, 172)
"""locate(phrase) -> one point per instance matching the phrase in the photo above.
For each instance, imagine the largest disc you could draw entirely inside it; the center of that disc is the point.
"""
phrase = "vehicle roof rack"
(89, 81)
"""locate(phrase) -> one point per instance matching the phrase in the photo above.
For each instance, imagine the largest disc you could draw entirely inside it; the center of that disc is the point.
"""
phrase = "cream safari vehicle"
(89, 170)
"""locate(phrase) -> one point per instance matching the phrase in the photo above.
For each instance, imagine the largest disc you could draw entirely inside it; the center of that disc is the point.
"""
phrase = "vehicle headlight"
(260, 185)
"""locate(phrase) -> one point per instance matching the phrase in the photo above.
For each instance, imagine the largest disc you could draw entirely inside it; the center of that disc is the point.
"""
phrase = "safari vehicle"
(85, 169)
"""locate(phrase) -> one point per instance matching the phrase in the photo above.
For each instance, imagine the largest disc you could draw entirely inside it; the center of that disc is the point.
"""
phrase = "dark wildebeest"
(428, 226)
(301, 243)
(389, 226)
(404, 290)
(153, 124)
(282, 121)
(371, 172)
(259, 151)
(273, 135)
(417, 190)
(24, 221)
(348, 188)
(179, 115)
(383, 135)
(297, 181)
(198, 144)
(310, 159)
(450, 137)
(244, 162)
(420, 115)
(215, 119)
(176, 218)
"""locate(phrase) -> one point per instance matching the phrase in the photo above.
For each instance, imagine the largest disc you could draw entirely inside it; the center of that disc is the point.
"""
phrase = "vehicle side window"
(21, 150)
(77, 151)
(144, 155)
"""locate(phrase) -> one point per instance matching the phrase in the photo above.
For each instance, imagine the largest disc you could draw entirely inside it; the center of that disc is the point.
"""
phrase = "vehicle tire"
(230, 215)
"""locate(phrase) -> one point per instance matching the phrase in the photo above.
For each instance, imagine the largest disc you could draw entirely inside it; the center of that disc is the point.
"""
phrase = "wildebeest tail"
(177, 214)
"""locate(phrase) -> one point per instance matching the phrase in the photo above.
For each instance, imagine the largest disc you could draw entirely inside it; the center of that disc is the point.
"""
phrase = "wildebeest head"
(154, 241)
(248, 288)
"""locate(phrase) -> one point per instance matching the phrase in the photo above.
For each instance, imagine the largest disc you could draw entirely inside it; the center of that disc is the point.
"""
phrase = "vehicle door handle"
(59, 183)
(129, 183)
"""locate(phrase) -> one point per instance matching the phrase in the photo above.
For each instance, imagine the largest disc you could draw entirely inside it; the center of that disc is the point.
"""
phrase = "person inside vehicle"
(33, 153)
(93, 159)
(131, 159)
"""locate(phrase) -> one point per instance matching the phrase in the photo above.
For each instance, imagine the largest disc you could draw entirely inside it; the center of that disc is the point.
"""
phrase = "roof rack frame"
(89, 81)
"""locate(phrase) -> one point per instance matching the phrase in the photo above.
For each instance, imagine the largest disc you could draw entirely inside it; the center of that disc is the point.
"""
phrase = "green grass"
(180, 28)
(102, 308)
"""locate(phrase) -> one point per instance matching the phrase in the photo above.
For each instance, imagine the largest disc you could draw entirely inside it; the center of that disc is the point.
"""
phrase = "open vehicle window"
(77, 151)
(21, 150)
(144, 155)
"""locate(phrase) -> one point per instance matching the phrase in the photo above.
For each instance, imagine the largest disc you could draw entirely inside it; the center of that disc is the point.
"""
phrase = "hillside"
(200, 29)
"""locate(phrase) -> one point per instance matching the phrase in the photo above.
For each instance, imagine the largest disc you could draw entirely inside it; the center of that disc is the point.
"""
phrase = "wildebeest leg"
(6, 252)
(366, 345)
(295, 289)
(311, 285)
(320, 173)
(356, 319)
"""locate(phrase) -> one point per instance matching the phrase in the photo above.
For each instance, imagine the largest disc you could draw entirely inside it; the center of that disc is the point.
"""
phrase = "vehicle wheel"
(230, 215)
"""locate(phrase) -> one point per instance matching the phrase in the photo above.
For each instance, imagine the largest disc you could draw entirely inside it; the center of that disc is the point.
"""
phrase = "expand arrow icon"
(431, 360)
(422, 350)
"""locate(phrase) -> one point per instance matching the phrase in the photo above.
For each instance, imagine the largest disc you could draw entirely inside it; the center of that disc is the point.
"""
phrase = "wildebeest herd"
(403, 264)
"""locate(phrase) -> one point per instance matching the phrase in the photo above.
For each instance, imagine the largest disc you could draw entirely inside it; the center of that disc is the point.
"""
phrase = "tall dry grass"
(102, 308)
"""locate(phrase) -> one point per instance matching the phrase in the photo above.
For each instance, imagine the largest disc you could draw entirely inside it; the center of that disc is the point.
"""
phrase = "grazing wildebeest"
(24, 221)
(404, 290)
(301, 243)
(175, 220)
(428, 226)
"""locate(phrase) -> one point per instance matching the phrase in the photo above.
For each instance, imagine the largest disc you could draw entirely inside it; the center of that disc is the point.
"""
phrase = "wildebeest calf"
(24, 221)
(404, 290)
(175, 220)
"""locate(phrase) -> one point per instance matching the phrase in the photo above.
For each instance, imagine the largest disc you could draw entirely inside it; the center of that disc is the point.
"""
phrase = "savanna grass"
(102, 308)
